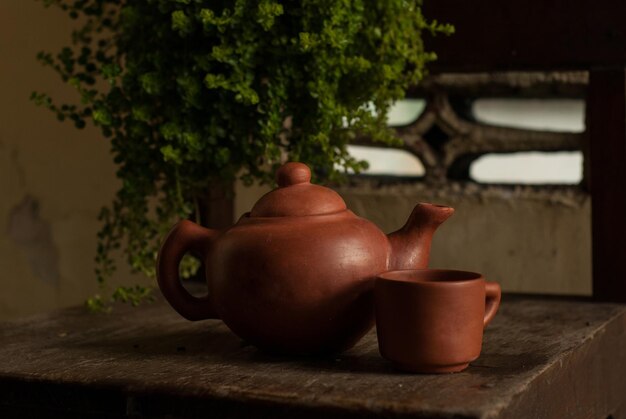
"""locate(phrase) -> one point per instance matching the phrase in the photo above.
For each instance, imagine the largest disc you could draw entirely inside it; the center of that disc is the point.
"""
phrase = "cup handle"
(184, 237)
(493, 293)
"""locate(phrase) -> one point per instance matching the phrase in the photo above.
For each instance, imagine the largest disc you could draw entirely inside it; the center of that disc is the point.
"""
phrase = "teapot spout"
(410, 245)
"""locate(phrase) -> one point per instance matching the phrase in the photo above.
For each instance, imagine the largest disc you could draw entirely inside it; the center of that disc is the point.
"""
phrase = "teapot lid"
(296, 196)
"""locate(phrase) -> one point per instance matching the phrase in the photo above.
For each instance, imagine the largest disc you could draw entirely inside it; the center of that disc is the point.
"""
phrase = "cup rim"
(395, 276)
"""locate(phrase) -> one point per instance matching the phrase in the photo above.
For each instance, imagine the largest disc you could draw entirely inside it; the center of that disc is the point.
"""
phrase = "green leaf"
(151, 83)
(181, 23)
(102, 116)
(170, 154)
(268, 12)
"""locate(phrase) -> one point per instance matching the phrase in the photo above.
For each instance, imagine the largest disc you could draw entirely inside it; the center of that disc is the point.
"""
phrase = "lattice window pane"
(529, 168)
(405, 111)
(534, 114)
(388, 161)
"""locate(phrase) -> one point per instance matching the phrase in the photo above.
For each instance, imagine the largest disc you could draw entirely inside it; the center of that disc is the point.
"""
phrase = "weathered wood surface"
(542, 358)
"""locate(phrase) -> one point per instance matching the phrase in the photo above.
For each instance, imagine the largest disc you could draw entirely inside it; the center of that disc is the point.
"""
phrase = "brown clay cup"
(432, 320)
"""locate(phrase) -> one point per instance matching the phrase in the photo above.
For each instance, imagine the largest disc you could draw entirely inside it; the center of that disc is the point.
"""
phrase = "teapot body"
(296, 274)
(297, 285)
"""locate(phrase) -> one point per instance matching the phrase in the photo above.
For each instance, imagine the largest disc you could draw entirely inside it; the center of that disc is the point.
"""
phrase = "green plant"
(196, 92)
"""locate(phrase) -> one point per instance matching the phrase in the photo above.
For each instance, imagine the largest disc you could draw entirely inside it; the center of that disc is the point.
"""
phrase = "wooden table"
(542, 358)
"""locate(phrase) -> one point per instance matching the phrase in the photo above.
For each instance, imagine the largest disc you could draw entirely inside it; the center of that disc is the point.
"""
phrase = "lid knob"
(293, 173)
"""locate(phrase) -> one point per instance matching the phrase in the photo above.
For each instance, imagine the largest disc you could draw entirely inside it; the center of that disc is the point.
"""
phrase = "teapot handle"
(184, 237)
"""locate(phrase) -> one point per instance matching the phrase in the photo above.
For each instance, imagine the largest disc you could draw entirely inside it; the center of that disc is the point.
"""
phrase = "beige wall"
(54, 179)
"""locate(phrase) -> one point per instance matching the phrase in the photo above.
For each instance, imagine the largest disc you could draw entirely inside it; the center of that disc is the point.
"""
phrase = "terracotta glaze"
(296, 273)
(432, 320)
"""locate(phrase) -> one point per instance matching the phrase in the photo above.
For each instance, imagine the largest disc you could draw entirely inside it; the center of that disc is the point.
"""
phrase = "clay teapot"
(296, 273)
